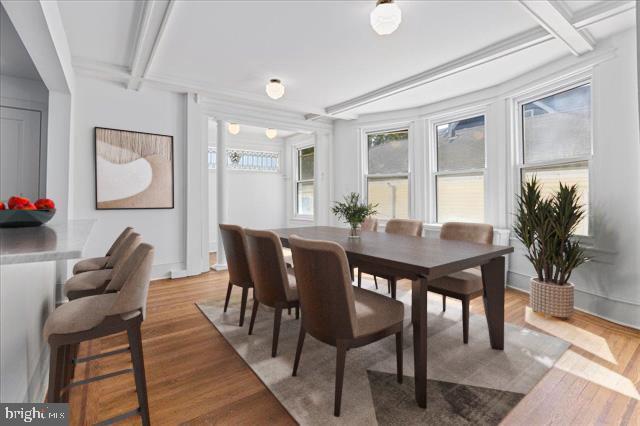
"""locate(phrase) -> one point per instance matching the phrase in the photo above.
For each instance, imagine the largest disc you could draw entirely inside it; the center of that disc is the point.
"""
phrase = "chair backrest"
(119, 240)
(268, 268)
(132, 296)
(480, 233)
(119, 272)
(325, 289)
(235, 249)
(370, 224)
(124, 250)
(410, 227)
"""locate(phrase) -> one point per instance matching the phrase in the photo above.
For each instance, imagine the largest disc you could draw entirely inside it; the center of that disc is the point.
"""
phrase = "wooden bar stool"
(105, 262)
(121, 308)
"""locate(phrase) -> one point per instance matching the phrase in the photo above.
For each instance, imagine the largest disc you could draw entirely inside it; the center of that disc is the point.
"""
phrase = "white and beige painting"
(133, 170)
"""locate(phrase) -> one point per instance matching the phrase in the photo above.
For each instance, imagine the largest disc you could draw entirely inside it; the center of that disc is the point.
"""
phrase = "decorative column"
(221, 189)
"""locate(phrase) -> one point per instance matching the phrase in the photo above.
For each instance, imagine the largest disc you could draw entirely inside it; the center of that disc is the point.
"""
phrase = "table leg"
(493, 296)
(419, 321)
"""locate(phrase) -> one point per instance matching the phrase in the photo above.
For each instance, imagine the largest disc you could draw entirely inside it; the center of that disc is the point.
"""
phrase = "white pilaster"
(222, 192)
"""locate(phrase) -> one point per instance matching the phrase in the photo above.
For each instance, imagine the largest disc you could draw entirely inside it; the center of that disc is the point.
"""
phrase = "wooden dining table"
(420, 260)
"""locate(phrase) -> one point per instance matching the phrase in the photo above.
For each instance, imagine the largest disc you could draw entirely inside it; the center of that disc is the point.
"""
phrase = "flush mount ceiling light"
(234, 128)
(275, 89)
(386, 17)
(271, 133)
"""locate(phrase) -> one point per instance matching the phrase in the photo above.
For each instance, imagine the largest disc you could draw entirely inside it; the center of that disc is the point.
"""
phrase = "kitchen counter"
(44, 243)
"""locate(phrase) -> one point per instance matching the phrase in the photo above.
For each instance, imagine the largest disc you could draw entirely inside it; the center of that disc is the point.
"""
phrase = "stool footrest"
(119, 417)
(98, 356)
(96, 378)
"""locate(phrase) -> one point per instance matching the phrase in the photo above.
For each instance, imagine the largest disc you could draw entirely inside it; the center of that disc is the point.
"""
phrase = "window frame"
(433, 173)
(364, 147)
(517, 148)
(296, 151)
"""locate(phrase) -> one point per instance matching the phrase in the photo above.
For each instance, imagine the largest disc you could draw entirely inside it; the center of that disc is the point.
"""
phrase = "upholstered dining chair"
(370, 224)
(105, 262)
(464, 285)
(233, 238)
(121, 308)
(409, 227)
(94, 282)
(273, 285)
(337, 313)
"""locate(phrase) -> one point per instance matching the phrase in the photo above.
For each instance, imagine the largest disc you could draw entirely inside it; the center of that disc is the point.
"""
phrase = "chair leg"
(289, 310)
(399, 355)
(297, 311)
(135, 343)
(388, 285)
(56, 371)
(444, 303)
(375, 280)
(465, 320)
(226, 300)
(341, 356)
(359, 278)
(254, 312)
(392, 282)
(243, 304)
(276, 332)
(296, 362)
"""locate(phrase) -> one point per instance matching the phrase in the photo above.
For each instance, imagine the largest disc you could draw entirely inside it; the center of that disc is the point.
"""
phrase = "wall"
(610, 285)
(256, 199)
(104, 104)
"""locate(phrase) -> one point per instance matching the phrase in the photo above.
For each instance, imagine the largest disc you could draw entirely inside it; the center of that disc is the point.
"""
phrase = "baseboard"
(163, 270)
(619, 312)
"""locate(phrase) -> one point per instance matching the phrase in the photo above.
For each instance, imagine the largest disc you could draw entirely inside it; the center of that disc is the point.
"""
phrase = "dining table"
(420, 260)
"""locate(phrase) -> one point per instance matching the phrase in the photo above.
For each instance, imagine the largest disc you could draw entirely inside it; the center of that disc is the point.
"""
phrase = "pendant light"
(234, 128)
(275, 88)
(271, 133)
(386, 17)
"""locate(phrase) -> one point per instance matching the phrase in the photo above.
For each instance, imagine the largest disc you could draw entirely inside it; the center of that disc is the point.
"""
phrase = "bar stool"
(121, 308)
(105, 262)
(94, 282)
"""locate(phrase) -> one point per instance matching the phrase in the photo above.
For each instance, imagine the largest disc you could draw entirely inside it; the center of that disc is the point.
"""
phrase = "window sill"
(302, 219)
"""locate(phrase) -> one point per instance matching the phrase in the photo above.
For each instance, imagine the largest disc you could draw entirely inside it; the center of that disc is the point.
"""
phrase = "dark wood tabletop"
(429, 257)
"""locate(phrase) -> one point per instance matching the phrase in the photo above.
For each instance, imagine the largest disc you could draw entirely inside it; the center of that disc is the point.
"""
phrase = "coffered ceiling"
(330, 60)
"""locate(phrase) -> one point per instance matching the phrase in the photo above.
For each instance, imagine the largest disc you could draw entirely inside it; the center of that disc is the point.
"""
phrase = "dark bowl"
(25, 218)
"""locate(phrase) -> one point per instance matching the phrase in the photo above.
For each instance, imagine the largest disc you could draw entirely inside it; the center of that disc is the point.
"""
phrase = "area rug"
(467, 384)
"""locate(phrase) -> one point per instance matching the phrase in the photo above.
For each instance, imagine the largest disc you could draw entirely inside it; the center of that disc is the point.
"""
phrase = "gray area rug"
(467, 384)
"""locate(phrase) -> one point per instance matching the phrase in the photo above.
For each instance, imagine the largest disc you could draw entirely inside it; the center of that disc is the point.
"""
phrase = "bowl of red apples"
(20, 212)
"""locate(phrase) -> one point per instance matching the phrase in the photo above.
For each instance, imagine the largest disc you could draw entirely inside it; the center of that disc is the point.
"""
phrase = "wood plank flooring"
(195, 377)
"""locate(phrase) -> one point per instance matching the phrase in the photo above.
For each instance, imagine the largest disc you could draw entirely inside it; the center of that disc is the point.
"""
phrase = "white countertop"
(44, 243)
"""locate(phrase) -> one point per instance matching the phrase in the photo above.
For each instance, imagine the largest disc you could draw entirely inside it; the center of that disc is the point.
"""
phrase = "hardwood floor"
(195, 377)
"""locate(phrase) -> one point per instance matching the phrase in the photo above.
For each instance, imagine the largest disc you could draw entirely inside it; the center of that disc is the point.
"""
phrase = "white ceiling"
(325, 52)
(14, 59)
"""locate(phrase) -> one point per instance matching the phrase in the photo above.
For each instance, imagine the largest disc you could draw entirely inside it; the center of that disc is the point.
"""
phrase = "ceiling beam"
(524, 40)
(153, 22)
(556, 21)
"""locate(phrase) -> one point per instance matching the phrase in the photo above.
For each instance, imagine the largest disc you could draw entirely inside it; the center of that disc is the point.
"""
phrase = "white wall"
(610, 285)
(256, 199)
(105, 104)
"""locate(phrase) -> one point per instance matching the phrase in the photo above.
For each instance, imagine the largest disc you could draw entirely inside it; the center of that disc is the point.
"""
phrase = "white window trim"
(517, 142)
(364, 160)
(296, 148)
(432, 137)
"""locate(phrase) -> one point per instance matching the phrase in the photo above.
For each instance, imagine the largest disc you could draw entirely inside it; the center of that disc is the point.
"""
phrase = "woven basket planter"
(552, 299)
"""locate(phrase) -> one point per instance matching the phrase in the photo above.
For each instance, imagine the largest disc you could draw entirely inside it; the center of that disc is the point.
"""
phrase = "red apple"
(2, 207)
(28, 206)
(45, 204)
(16, 201)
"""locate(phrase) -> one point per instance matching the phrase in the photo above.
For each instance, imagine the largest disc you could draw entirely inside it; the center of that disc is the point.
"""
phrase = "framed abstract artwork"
(134, 170)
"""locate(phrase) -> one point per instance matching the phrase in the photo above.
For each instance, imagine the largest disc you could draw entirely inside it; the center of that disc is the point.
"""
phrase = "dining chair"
(369, 224)
(409, 227)
(121, 308)
(90, 283)
(234, 241)
(337, 313)
(273, 285)
(106, 261)
(464, 285)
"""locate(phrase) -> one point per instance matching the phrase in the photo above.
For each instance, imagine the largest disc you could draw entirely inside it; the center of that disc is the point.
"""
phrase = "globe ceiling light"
(275, 88)
(234, 128)
(386, 17)
(271, 133)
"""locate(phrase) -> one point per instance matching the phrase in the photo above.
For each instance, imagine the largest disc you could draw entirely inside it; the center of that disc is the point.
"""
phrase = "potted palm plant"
(546, 226)
(353, 212)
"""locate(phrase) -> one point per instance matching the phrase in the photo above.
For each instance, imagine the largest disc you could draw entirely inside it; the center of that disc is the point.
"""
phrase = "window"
(256, 161)
(556, 143)
(305, 181)
(459, 171)
(387, 174)
(211, 158)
